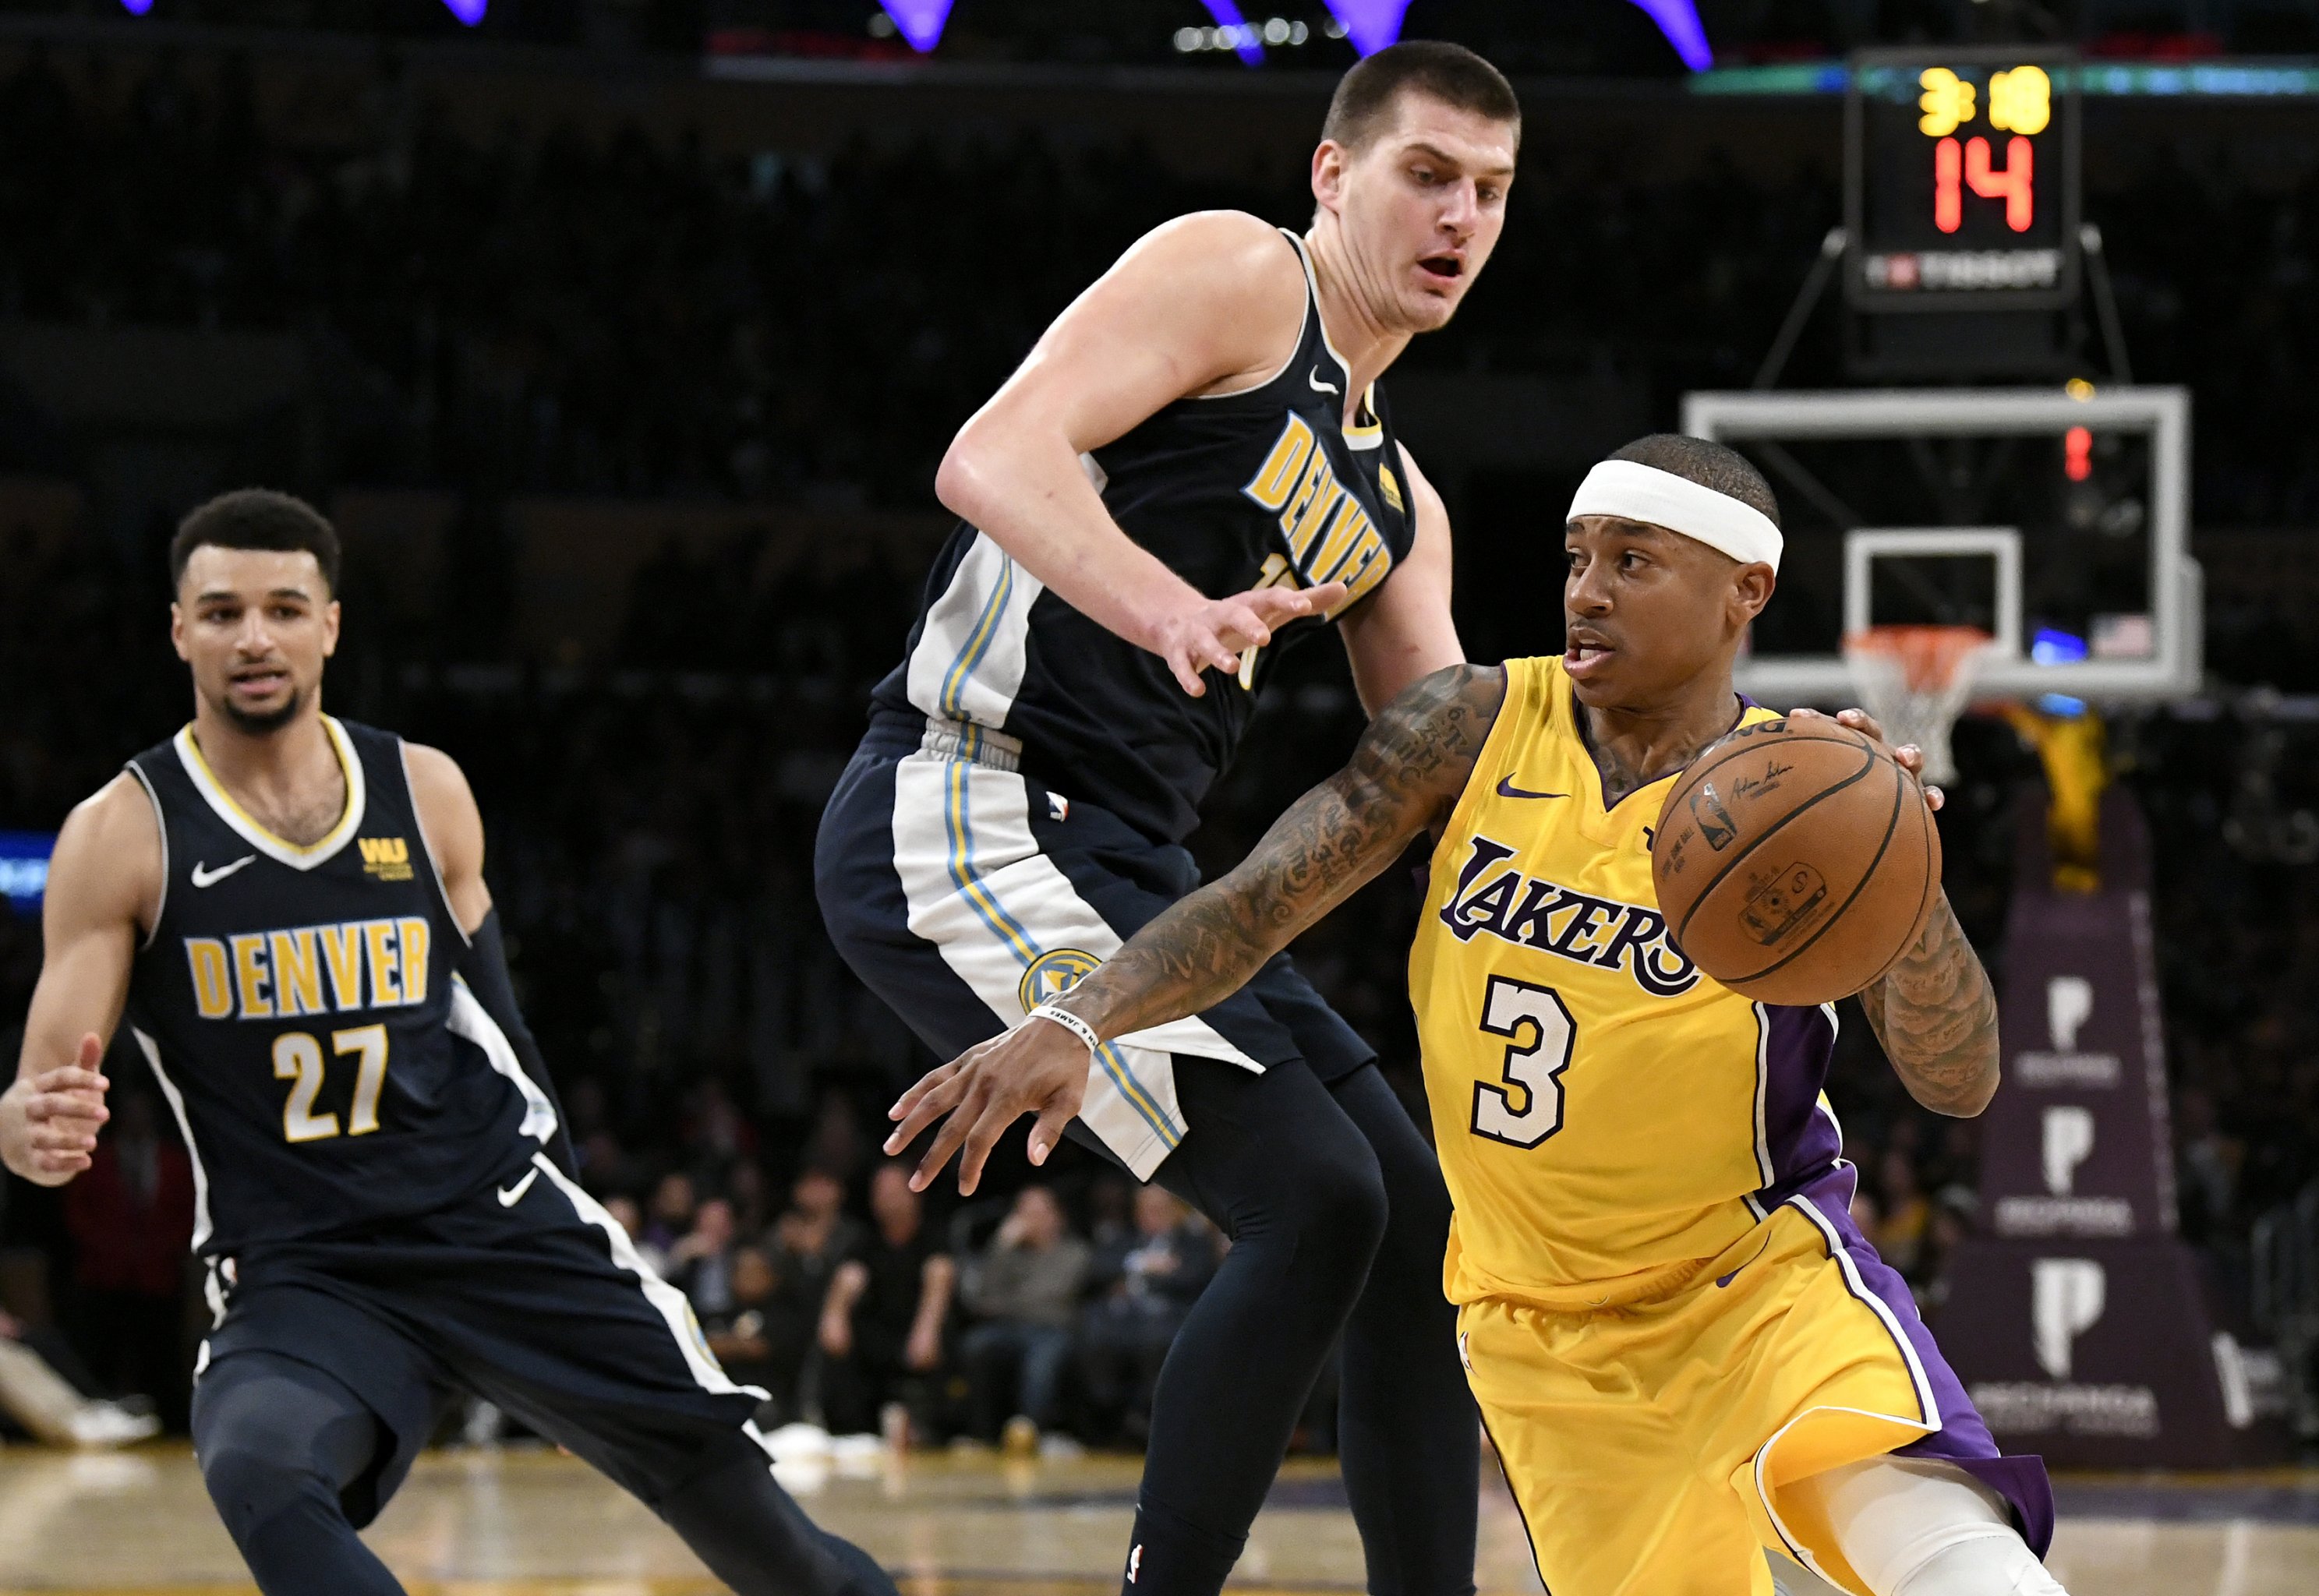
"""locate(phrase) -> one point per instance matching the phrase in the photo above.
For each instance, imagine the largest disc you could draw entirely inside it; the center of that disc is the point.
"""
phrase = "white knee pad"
(1913, 1526)
(1986, 1565)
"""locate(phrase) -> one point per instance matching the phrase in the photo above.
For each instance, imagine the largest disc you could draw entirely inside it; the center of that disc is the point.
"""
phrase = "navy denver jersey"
(300, 1010)
(1266, 486)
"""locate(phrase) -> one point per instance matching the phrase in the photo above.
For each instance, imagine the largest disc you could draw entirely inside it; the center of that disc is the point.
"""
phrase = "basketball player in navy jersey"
(291, 910)
(1194, 468)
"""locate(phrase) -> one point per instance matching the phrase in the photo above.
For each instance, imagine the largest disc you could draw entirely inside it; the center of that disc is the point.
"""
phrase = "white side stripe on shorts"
(980, 890)
(665, 1298)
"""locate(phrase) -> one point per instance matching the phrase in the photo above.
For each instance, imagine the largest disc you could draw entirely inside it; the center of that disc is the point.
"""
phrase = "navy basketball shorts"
(965, 894)
(529, 1296)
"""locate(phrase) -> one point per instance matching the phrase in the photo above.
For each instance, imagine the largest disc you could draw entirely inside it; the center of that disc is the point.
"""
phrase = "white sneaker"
(109, 1424)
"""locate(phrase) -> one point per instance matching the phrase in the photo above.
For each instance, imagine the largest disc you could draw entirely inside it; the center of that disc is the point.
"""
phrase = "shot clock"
(1962, 180)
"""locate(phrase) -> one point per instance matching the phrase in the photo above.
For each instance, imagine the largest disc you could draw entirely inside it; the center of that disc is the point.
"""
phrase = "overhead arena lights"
(1679, 20)
(920, 20)
(1370, 24)
(1245, 39)
(469, 12)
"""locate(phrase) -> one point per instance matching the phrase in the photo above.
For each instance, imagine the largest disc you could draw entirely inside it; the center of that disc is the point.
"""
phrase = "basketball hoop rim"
(1932, 657)
(1915, 680)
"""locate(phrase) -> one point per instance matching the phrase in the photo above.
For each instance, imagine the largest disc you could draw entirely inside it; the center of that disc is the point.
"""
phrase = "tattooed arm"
(1934, 1013)
(1935, 1016)
(1406, 774)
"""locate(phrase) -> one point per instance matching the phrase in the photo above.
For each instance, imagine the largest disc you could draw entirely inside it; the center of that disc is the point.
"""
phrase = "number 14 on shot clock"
(1962, 180)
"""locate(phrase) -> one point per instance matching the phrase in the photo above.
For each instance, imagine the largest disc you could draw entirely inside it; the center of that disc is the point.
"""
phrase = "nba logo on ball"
(1715, 825)
(1053, 973)
(1855, 877)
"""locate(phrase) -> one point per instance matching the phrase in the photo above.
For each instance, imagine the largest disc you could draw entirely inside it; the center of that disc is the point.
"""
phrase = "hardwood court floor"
(529, 1523)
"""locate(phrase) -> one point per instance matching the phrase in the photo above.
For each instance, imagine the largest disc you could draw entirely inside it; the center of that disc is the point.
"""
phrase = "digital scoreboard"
(1961, 188)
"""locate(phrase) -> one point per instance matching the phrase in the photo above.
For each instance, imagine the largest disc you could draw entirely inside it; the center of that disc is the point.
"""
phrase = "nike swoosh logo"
(1506, 789)
(514, 1194)
(1313, 377)
(209, 878)
(1723, 1280)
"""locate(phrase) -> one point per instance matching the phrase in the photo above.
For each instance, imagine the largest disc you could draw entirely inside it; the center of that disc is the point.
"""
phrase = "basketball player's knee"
(1917, 1526)
(1340, 1206)
(272, 1439)
(1999, 1563)
(255, 1486)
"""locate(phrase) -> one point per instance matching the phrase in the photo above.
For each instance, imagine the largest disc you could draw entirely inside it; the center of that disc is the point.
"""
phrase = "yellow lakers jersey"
(1601, 1109)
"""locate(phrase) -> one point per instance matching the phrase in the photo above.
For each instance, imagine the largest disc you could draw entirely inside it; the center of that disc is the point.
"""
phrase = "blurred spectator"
(1954, 1210)
(1865, 1213)
(882, 1326)
(1899, 1233)
(715, 1132)
(701, 1263)
(604, 1164)
(1024, 1287)
(668, 1221)
(2209, 1162)
(746, 1190)
(625, 1215)
(764, 1338)
(813, 1236)
(836, 1143)
(131, 1215)
(1148, 1280)
(49, 1394)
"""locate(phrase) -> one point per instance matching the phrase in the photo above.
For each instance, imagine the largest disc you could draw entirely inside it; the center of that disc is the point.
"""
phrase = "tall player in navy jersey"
(1193, 468)
(291, 909)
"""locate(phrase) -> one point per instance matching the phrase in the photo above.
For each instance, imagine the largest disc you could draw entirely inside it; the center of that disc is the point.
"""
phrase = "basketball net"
(1915, 681)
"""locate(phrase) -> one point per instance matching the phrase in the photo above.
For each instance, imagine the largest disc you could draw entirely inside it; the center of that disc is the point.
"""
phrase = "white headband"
(1638, 492)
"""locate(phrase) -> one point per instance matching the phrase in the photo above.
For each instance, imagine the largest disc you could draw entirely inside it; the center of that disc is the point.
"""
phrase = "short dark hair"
(1368, 96)
(1709, 464)
(257, 518)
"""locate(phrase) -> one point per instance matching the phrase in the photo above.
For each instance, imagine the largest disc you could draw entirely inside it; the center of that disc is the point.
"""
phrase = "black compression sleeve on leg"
(485, 966)
(1408, 1436)
(279, 1442)
(753, 1534)
(1274, 1161)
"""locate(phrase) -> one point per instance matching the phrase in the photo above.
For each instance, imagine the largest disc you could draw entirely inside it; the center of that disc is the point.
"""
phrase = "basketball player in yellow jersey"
(1681, 1345)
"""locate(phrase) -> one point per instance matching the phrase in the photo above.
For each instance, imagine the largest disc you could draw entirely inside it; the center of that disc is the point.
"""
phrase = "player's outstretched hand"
(64, 1108)
(1907, 756)
(1214, 633)
(1038, 1068)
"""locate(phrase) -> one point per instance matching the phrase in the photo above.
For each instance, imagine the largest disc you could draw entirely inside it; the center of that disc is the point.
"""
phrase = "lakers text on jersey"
(1621, 1111)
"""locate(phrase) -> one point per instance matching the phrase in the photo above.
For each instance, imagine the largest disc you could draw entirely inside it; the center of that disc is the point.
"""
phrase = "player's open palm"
(1037, 1067)
(63, 1113)
(1214, 633)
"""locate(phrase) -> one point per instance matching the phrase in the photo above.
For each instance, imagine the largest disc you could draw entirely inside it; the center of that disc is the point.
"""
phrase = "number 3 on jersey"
(1524, 1106)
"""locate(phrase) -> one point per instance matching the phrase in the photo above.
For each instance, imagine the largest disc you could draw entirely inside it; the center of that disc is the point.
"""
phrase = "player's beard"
(265, 723)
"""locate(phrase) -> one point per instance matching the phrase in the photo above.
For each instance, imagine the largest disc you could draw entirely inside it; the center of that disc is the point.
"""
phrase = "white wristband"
(1069, 1022)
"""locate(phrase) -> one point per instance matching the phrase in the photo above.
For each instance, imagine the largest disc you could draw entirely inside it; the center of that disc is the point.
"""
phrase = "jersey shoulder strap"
(1516, 728)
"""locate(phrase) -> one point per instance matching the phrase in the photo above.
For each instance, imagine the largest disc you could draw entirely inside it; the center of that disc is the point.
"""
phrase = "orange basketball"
(1796, 861)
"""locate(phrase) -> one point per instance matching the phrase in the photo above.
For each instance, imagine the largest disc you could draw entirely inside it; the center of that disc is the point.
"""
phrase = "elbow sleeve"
(484, 967)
